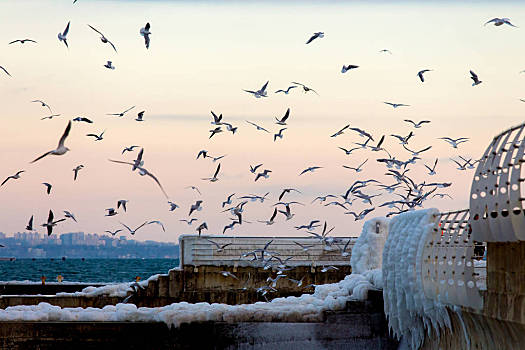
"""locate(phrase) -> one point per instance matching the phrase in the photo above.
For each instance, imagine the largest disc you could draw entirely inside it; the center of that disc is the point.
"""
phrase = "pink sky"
(201, 57)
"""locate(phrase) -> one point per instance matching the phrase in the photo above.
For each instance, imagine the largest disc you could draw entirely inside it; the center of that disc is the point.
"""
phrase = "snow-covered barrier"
(111, 290)
(410, 313)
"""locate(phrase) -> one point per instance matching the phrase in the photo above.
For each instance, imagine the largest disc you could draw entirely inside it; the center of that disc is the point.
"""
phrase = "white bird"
(315, 36)
(43, 104)
(29, 226)
(111, 212)
(109, 65)
(63, 36)
(216, 120)
(500, 21)
(474, 78)
(395, 105)
(113, 232)
(76, 170)
(50, 116)
(173, 206)
(274, 280)
(305, 88)
(282, 121)
(158, 223)
(48, 187)
(421, 72)
(272, 218)
(14, 177)
(132, 232)
(287, 91)
(70, 215)
(358, 169)
(228, 200)
(197, 206)
(61, 149)
(385, 51)
(265, 174)
(454, 142)
(22, 41)
(121, 114)
(128, 149)
(257, 126)
(253, 169)
(195, 189)
(329, 268)
(214, 178)
(140, 115)
(215, 131)
(146, 33)
(201, 227)
(220, 248)
(279, 134)
(50, 223)
(416, 153)
(97, 137)
(122, 203)
(104, 39)
(432, 171)
(347, 68)
(259, 93)
(310, 169)
(418, 124)
(189, 222)
(340, 132)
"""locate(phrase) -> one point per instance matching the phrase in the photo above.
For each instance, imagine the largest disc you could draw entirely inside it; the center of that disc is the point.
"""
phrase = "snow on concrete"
(112, 290)
(409, 312)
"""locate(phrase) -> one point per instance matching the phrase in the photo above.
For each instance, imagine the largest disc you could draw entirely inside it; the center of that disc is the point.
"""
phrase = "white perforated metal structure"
(496, 198)
(198, 251)
(448, 272)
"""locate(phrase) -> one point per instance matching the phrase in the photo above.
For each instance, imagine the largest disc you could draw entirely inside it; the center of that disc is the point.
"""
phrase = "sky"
(202, 55)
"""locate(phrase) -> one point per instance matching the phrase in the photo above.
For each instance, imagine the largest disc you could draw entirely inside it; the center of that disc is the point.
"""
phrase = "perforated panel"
(496, 200)
(448, 272)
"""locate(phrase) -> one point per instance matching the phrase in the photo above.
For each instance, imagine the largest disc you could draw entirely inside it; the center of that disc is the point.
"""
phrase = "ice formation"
(367, 253)
(306, 308)
(112, 290)
(409, 312)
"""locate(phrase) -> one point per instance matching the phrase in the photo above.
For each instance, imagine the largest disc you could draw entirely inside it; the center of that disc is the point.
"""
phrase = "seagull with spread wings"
(421, 72)
(22, 41)
(43, 104)
(282, 121)
(14, 177)
(396, 105)
(51, 223)
(305, 88)
(121, 114)
(61, 149)
(257, 126)
(315, 36)
(454, 142)
(214, 178)
(418, 124)
(146, 33)
(103, 38)
(63, 36)
(287, 91)
(259, 93)
(132, 232)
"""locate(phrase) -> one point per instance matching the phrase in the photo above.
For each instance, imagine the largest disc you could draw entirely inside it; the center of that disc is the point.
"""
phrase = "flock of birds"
(410, 193)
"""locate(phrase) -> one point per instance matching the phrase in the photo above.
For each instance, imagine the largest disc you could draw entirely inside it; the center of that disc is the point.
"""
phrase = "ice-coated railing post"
(496, 210)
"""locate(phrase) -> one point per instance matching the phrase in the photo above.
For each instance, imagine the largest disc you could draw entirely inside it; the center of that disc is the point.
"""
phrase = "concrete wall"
(360, 326)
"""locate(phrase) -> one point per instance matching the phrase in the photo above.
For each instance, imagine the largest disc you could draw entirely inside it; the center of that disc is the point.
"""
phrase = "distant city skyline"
(202, 56)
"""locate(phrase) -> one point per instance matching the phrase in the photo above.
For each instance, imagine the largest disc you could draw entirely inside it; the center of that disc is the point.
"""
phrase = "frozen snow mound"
(367, 253)
(306, 308)
(410, 314)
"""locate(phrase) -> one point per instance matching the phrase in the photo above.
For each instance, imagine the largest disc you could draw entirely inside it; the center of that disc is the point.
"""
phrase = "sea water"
(87, 270)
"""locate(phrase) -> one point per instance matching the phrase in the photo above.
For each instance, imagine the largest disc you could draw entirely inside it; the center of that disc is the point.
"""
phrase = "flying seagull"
(265, 174)
(197, 206)
(214, 178)
(158, 223)
(129, 149)
(305, 88)
(228, 200)
(432, 171)
(173, 206)
(109, 65)
(50, 223)
(474, 78)
(454, 142)
(50, 117)
(385, 51)
(97, 137)
(62, 36)
(142, 172)
(257, 126)
(43, 104)
(195, 189)
(315, 36)
(282, 121)
(29, 226)
(201, 227)
(135, 230)
(76, 170)
(121, 114)
(61, 149)
(189, 222)
(146, 33)
(418, 124)
(113, 232)
(279, 134)
(310, 169)
(122, 202)
(140, 115)
(358, 169)
(104, 39)
(347, 68)
(22, 41)
(216, 120)
(395, 105)
(14, 177)
(259, 93)
(421, 72)
(83, 119)
(220, 248)
(272, 218)
(287, 91)
(340, 132)
(70, 215)
(500, 21)
(48, 187)
(111, 212)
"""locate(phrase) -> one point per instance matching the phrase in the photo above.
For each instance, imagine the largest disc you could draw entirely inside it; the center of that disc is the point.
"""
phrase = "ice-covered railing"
(497, 193)
(447, 265)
